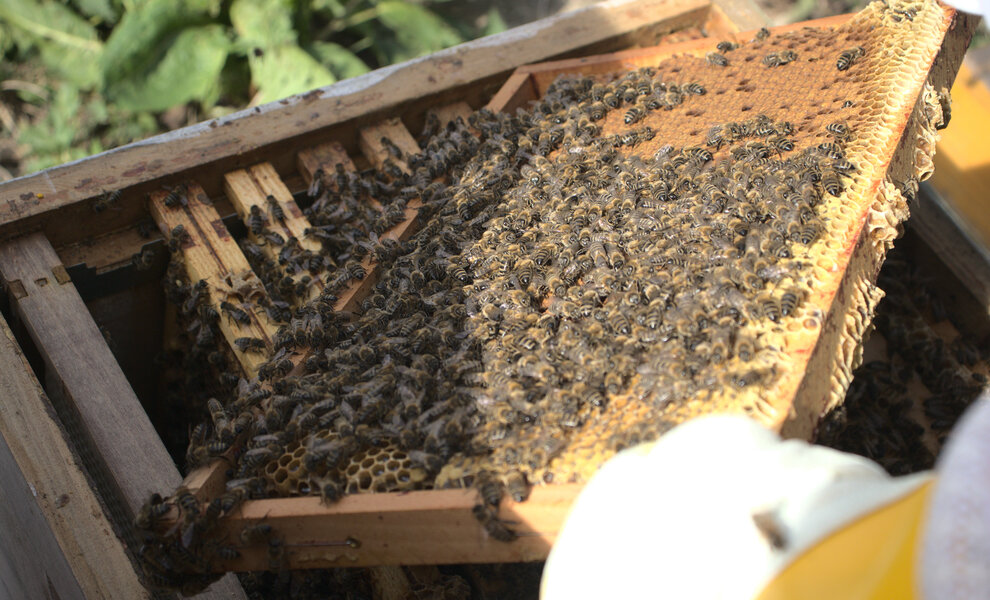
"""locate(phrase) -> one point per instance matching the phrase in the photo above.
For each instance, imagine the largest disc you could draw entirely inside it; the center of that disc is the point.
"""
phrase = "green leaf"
(263, 23)
(343, 63)
(495, 23)
(97, 9)
(417, 30)
(334, 7)
(190, 70)
(144, 34)
(69, 45)
(286, 70)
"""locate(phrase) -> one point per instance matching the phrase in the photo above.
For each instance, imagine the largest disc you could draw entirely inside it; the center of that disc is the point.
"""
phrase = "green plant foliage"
(143, 36)
(286, 70)
(417, 30)
(100, 10)
(65, 42)
(343, 63)
(103, 72)
(189, 70)
(279, 67)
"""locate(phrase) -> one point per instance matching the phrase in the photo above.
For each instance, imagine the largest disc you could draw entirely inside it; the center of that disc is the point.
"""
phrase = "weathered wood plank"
(451, 112)
(123, 452)
(324, 156)
(50, 518)
(77, 357)
(518, 91)
(414, 528)
(373, 146)
(253, 186)
(211, 254)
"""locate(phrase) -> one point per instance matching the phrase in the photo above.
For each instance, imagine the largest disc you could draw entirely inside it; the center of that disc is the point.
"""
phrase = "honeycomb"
(373, 469)
(633, 250)
(867, 97)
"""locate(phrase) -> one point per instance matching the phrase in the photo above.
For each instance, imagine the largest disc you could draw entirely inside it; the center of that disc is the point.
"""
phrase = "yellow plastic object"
(872, 558)
(962, 159)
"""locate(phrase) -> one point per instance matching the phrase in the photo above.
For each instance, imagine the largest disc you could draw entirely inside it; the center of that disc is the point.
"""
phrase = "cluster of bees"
(901, 405)
(555, 269)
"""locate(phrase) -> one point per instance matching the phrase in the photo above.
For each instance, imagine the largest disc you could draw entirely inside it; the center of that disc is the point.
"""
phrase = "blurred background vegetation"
(81, 76)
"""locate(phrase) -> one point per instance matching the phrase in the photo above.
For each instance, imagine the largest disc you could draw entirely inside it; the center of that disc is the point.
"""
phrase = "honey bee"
(762, 34)
(107, 200)
(726, 46)
(235, 313)
(260, 533)
(694, 88)
(494, 526)
(152, 510)
(256, 220)
(830, 182)
(772, 60)
(390, 147)
(144, 260)
(250, 344)
(275, 209)
(848, 58)
(176, 196)
(789, 302)
(634, 114)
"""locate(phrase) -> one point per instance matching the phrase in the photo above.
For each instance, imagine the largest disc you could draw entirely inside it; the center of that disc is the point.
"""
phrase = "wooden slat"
(251, 187)
(50, 518)
(374, 151)
(212, 254)
(324, 156)
(451, 112)
(124, 453)
(78, 360)
(414, 528)
(370, 140)
(518, 91)
(945, 233)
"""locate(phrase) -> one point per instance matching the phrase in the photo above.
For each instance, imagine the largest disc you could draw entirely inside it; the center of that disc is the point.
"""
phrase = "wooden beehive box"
(111, 458)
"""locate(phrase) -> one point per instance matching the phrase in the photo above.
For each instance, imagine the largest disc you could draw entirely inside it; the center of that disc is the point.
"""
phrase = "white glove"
(675, 519)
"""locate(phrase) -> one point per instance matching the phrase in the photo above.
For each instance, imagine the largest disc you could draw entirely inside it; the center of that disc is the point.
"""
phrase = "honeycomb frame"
(853, 301)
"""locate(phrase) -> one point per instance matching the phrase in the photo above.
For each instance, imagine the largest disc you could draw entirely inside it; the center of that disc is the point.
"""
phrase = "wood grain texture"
(324, 156)
(413, 528)
(519, 90)
(451, 112)
(252, 187)
(373, 148)
(77, 357)
(211, 254)
(50, 518)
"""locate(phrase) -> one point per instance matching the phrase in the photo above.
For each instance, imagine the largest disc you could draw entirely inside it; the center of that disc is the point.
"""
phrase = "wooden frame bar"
(376, 529)
(251, 187)
(50, 518)
(211, 254)
(103, 416)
